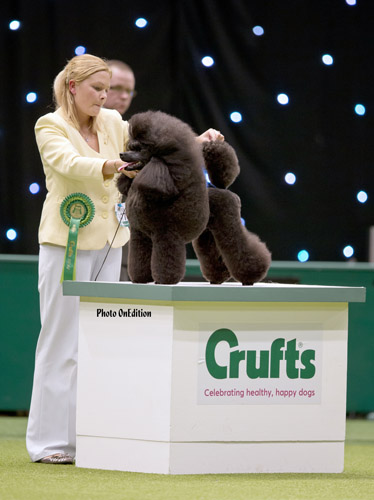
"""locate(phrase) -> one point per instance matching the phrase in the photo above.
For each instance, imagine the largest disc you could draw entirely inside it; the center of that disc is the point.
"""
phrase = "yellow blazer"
(70, 166)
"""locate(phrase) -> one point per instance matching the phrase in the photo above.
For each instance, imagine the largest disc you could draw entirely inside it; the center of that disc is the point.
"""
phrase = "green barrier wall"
(19, 326)
(20, 323)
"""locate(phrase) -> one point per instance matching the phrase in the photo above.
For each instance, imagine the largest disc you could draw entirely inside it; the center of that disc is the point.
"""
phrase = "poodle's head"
(157, 134)
(166, 153)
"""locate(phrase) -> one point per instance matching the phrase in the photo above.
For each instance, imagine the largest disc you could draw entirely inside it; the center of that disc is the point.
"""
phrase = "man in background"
(122, 86)
(120, 95)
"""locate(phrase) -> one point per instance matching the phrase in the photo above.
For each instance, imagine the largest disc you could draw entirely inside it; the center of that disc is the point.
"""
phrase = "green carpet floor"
(22, 480)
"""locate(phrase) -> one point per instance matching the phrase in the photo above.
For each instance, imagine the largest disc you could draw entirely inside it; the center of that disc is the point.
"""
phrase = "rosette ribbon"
(77, 210)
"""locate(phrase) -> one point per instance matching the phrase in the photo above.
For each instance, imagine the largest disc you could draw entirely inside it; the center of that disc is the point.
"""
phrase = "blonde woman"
(79, 146)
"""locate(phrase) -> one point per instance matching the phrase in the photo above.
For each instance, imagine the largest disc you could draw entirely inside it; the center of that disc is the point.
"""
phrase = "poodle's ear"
(155, 180)
(221, 163)
(124, 184)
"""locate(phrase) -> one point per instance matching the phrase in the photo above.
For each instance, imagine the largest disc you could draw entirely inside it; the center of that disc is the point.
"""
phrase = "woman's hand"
(210, 135)
(112, 167)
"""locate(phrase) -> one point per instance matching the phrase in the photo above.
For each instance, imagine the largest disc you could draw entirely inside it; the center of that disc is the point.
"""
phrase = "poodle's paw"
(141, 277)
(167, 280)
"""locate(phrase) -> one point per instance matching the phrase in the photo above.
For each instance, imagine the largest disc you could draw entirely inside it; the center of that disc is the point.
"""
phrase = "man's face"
(121, 92)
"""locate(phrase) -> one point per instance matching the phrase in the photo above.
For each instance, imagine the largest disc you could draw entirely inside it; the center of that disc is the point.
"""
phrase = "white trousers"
(52, 419)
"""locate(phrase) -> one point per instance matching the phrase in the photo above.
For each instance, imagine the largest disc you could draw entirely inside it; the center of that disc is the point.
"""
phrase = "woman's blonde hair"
(78, 69)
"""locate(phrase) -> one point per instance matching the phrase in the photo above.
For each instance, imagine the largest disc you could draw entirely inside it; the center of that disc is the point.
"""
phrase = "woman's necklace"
(91, 138)
(87, 136)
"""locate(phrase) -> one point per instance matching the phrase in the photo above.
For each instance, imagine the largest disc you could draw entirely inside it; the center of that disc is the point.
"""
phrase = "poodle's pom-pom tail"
(221, 163)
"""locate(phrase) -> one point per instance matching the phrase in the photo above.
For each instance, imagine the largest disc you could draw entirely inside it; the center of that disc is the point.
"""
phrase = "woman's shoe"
(57, 458)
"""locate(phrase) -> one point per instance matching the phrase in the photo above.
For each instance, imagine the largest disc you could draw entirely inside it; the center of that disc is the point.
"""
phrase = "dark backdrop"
(317, 135)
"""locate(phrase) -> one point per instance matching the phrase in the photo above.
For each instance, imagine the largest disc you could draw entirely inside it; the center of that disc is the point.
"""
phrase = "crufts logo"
(269, 363)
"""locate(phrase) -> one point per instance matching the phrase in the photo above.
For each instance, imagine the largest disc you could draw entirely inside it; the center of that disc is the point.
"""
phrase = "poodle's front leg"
(212, 266)
(168, 259)
(139, 260)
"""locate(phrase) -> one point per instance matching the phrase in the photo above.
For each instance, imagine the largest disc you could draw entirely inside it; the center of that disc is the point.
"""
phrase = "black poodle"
(168, 205)
(167, 202)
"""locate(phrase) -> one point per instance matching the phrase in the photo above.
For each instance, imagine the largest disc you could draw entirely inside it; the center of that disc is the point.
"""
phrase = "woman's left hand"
(211, 135)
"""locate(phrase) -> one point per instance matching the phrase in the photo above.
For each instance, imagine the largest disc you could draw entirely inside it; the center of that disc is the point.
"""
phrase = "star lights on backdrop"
(236, 117)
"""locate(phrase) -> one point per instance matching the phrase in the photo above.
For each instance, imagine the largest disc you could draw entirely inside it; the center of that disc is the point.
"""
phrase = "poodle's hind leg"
(248, 265)
(211, 263)
(168, 259)
(139, 260)
(245, 255)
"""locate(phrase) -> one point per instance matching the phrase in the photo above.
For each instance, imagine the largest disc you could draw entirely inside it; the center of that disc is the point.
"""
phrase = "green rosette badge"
(77, 210)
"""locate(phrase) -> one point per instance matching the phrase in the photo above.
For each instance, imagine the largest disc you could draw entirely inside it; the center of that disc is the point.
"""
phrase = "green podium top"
(205, 292)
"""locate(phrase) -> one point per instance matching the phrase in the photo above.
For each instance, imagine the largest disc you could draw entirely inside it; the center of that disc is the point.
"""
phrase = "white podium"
(195, 378)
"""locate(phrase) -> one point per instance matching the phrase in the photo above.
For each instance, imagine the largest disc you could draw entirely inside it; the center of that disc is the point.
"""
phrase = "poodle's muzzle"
(135, 160)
